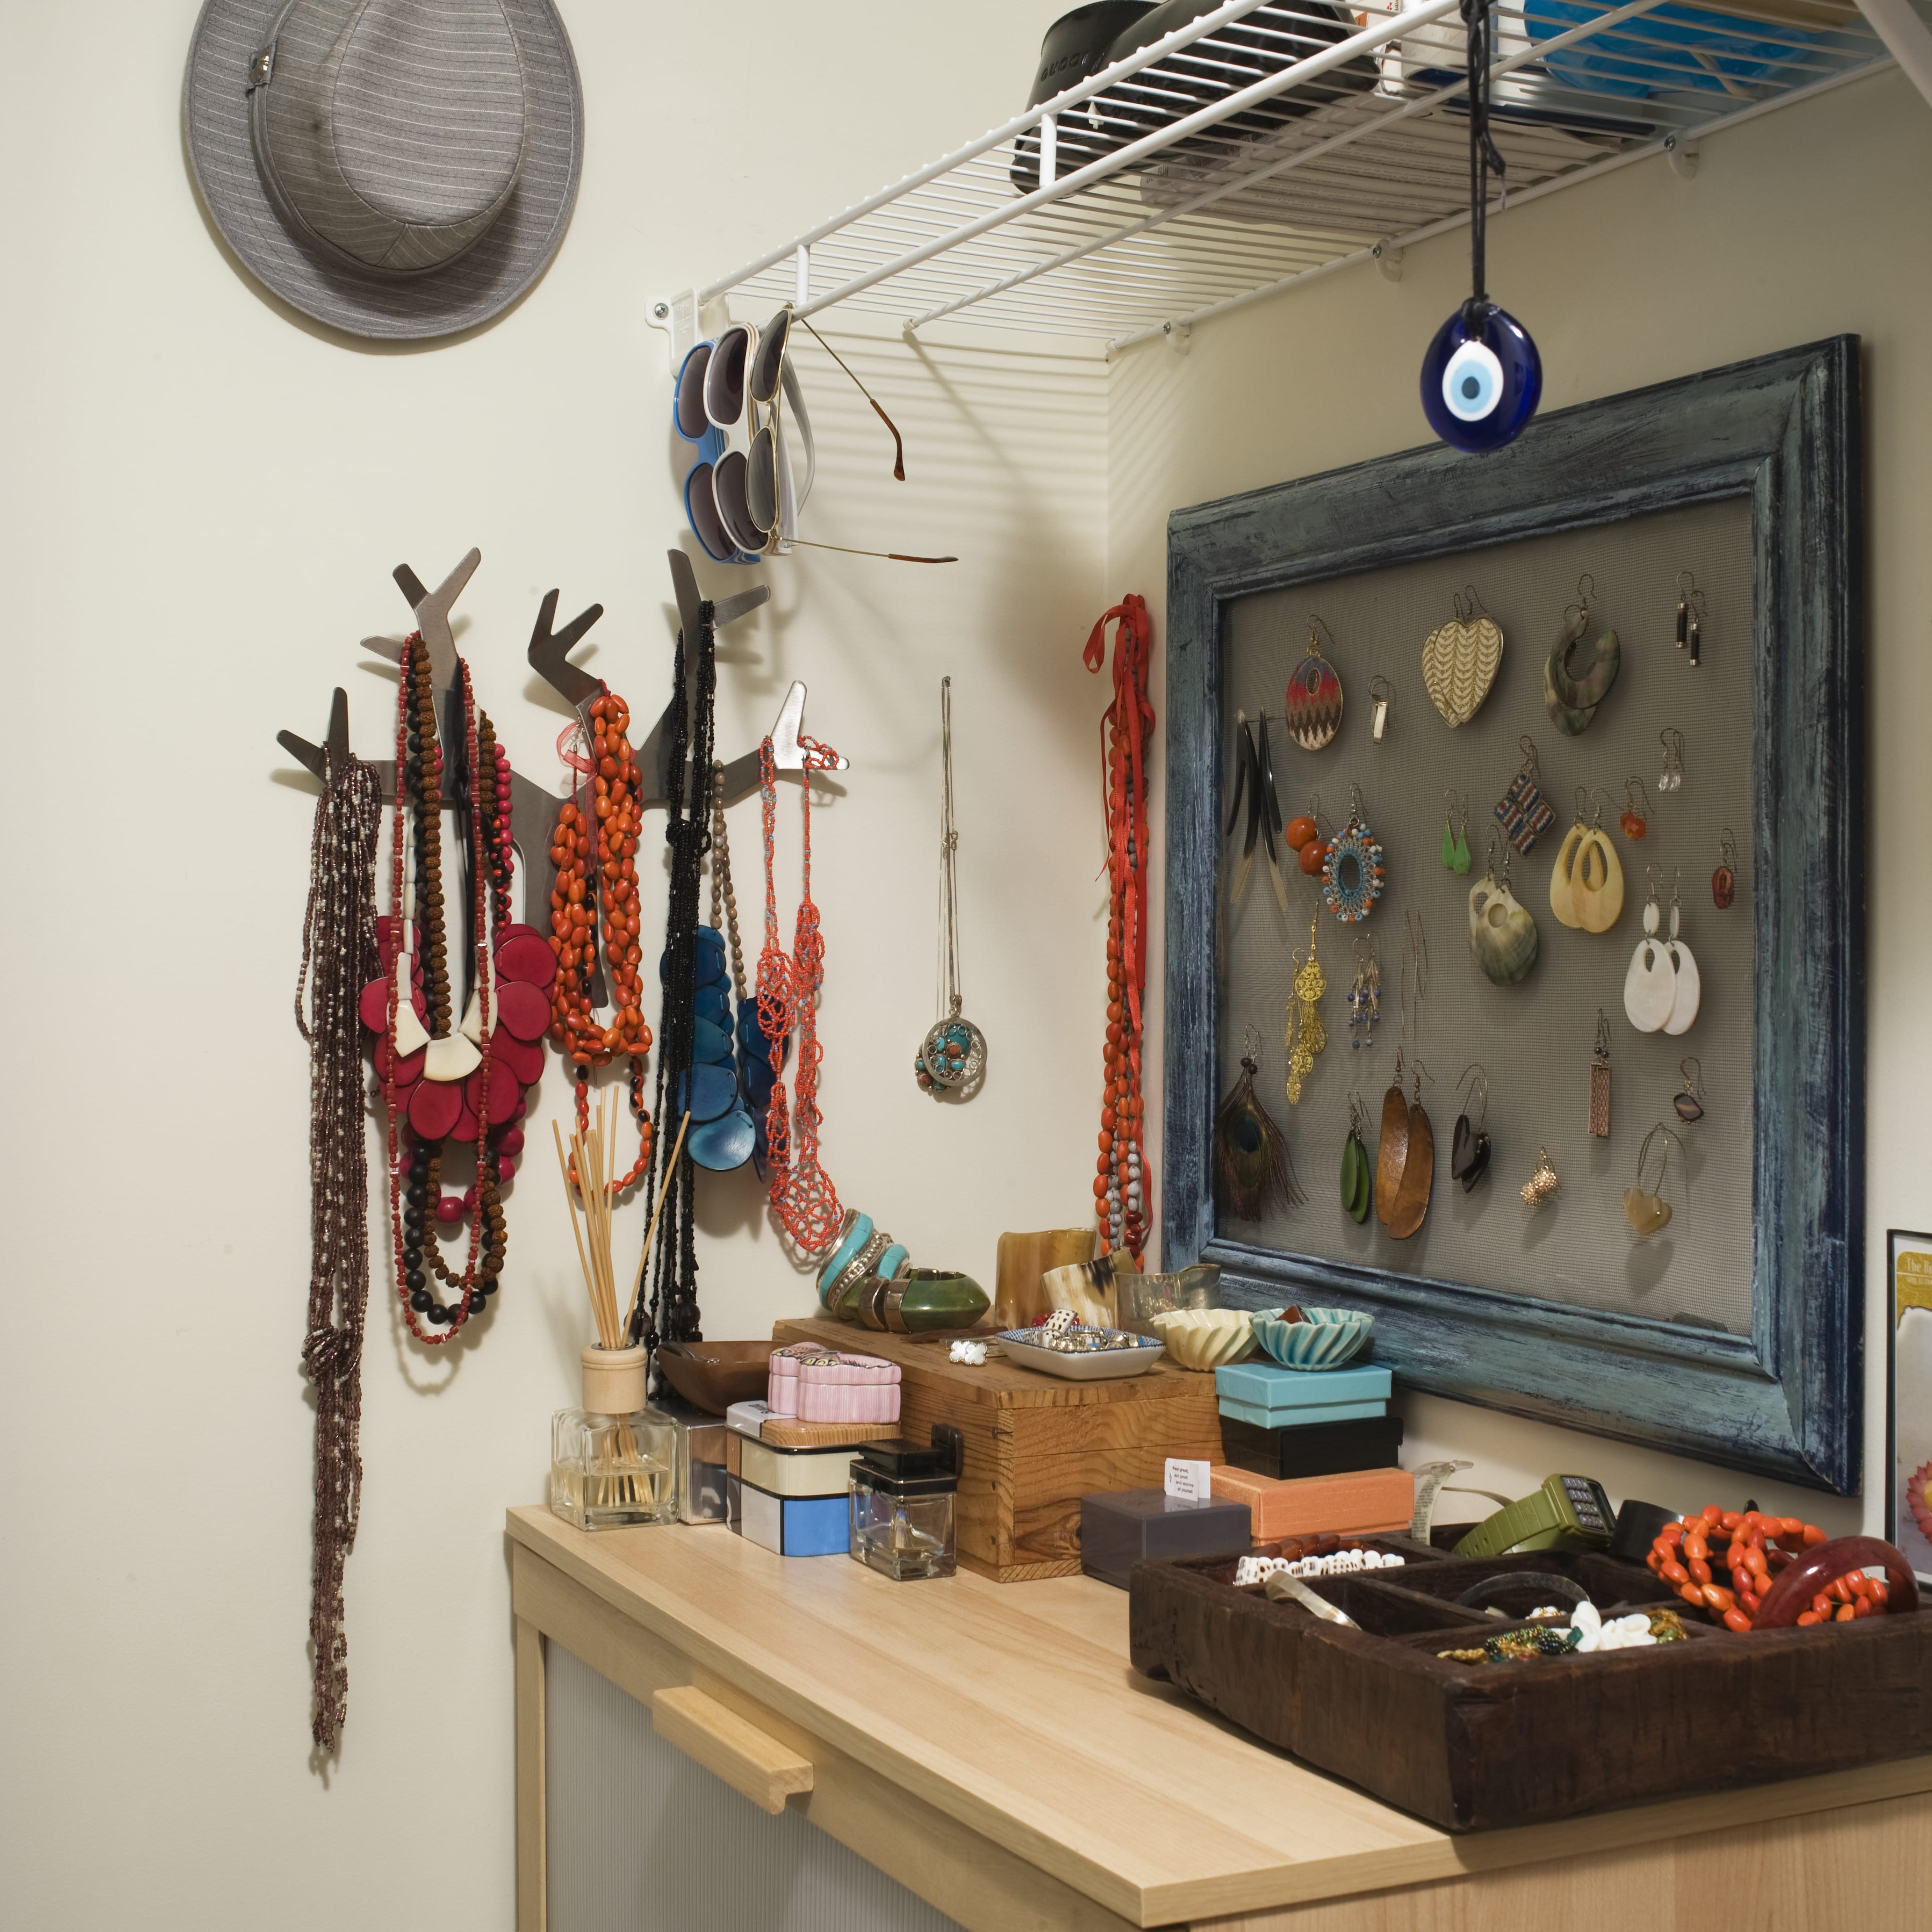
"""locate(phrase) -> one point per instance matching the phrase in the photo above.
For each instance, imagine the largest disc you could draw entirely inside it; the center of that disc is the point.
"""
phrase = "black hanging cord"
(1484, 154)
(672, 1313)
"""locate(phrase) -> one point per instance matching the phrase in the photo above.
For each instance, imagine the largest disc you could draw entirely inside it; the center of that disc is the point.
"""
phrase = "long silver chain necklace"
(951, 1062)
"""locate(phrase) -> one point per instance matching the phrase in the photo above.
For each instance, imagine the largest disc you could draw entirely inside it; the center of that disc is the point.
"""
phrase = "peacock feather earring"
(1357, 1170)
(1306, 1036)
(1253, 1175)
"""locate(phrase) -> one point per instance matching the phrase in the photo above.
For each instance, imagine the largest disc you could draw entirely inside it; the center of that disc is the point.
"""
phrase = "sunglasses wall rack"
(533, 807)
(1260, 144)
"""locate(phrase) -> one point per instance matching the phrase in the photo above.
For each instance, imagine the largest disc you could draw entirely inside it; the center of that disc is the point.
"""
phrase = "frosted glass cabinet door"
(641, 1839)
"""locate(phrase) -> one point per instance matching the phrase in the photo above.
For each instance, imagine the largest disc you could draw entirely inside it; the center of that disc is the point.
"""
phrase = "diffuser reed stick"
(650, 1233)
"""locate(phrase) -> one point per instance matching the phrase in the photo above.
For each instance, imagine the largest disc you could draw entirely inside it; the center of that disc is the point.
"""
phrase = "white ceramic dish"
(1097, 1365)
(1205, 1338)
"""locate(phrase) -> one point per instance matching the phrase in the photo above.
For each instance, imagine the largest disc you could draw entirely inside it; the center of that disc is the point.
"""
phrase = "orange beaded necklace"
(584, 906)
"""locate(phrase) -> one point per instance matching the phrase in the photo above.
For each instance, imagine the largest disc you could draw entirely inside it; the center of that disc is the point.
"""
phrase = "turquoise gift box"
(1272, 1396)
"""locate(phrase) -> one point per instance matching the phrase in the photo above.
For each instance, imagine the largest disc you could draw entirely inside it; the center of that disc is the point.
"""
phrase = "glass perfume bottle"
(903, 1499)
(613, 1462)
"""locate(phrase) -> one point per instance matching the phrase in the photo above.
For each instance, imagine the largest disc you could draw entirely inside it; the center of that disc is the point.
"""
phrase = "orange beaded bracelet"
(1755, 1550)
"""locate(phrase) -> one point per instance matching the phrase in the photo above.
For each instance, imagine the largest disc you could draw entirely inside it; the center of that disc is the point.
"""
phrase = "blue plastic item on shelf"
(1646, 56)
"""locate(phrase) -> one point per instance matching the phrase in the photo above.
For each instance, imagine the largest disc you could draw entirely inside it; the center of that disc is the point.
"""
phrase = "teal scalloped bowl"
(1328, 1339)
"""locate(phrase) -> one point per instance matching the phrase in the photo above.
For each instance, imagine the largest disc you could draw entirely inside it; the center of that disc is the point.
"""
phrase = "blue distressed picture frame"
(1783, 431)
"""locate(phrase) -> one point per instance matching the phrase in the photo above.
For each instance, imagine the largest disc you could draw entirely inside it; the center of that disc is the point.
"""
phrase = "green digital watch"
(1566, 1512)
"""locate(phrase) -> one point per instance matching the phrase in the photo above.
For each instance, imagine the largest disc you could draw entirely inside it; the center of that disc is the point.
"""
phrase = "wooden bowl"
(711, 1375)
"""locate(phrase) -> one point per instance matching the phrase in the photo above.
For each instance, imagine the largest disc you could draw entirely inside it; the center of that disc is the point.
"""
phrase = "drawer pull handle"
(749, 1760)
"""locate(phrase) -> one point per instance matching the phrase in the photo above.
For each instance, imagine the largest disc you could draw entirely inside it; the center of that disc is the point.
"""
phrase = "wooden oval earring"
(1562, 877)
(1314, 701)
(1597, 884)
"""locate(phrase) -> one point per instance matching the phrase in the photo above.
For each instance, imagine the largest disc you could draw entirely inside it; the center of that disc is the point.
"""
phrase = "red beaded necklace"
(1123, 1185)
(576, 903)
(801, 1193)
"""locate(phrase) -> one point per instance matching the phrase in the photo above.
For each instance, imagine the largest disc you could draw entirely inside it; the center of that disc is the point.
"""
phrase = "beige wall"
(200, 502)
(1802, 224)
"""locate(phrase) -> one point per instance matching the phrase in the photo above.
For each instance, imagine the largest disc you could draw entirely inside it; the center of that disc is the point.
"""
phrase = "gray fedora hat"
(397, 169)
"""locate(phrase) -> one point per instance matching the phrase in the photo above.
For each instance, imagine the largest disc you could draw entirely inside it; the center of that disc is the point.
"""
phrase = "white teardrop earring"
(1689, 991)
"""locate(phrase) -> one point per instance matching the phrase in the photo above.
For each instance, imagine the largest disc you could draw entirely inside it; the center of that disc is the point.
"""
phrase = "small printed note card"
(1187, 1481)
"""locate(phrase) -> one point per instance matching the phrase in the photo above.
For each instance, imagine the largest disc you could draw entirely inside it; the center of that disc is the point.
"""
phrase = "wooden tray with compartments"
(1474, 1747)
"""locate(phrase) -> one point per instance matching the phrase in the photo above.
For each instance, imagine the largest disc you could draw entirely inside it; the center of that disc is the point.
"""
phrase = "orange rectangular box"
(1367, 1501)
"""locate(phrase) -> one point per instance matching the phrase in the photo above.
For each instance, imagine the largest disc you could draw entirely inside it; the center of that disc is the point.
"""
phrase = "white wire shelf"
(1270, 141)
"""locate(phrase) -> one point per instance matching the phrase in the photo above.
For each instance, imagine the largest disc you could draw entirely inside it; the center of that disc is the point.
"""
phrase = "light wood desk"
(991, 1748)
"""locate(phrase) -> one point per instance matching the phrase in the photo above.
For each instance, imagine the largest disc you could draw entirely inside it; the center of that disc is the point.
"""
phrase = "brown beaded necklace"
(418, 792)
(339, 944)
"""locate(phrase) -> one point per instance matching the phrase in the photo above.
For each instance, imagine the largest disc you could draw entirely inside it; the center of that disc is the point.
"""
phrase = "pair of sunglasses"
(743, 503)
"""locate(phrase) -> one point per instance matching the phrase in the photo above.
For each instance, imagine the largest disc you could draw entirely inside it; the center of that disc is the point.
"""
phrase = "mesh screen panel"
(1535, 1039)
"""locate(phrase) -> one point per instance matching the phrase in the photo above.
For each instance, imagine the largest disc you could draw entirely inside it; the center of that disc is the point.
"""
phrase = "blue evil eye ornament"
(1481, 379)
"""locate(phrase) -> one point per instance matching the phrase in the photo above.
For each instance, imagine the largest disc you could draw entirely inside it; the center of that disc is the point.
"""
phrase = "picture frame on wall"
(1908, 1435)
(1780, 1391)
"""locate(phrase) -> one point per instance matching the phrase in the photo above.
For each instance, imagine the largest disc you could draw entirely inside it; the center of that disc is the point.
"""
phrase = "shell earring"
(1574, 686)
(1648, 1212)
(1469, 1148)
(1503, 938)
(1724, 880)
(1689, 1101)
(1650, 987)
(1671, 778)
(1689, 992)
(1596, 880)
(1600, 1080)
(1522, 810)
(1314, 702)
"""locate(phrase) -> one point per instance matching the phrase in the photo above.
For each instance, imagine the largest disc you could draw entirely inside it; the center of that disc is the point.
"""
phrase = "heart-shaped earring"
(1645, 1209)
(1460, 660)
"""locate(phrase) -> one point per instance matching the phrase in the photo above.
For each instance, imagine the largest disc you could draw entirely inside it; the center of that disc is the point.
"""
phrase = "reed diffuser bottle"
(613, 1462)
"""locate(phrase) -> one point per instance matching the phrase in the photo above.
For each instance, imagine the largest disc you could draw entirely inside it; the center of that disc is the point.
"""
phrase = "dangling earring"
(1357, 1172)
(1689, 607)
(1600, 1080)
(1460, 661)
(1382, 695)
(1689, 1101)
(1540, 1188)
(1672, 777)
(1650, 987)
(1352, 874)
(1571, 699)
(1724, 880)
(1455, 849)
(1503, 938)
(1306, 1036)
(1689, 986)
(1364, 997)
(1469, 1146)
(1304, 838)
(1635, 821)
(1253, 1175)
(1523, 811)
(1597, 880)
(1314, 703)
(1563, 875)
(1648, 1213)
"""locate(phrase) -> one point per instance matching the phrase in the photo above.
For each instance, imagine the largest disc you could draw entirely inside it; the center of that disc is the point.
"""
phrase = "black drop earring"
(1469, 1148)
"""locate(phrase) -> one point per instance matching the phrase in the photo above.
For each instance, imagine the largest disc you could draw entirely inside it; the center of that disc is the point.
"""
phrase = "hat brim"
(480, 284)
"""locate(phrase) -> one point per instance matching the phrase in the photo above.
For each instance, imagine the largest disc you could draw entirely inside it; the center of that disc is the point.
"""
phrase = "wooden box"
(1473, 1747)
(1035, 1444)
